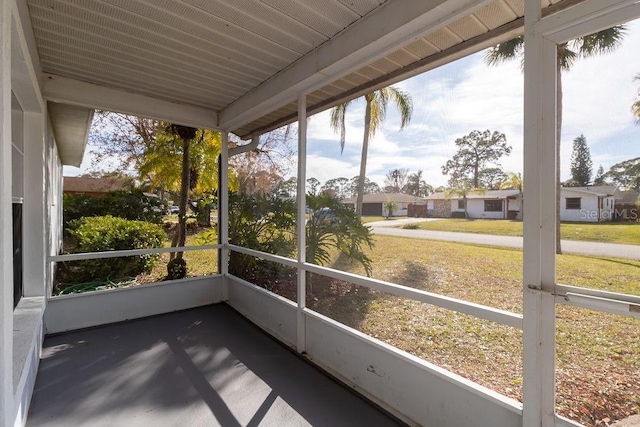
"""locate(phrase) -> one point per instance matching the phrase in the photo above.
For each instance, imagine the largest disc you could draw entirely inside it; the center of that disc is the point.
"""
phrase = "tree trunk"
(363, 159)
(184, 196)
(476, 179)
(558, 151)
(464, 199)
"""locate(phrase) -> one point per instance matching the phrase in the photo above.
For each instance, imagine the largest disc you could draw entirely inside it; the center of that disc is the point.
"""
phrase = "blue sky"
(455, 99)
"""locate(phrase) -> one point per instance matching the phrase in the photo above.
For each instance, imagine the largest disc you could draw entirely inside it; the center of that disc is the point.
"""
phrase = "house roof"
(601, 190)
(488, 194)
(80, 184)
(241, 66)
(384, 197)
(627, 196)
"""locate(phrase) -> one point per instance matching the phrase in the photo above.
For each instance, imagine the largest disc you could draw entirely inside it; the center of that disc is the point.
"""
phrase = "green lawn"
(606, 232)
(598, 354)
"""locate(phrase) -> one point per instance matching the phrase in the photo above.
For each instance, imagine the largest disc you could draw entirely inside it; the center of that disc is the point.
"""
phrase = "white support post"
(223, 210)
(6, 220)
(540, 78)
(301, 221)
(34, 231)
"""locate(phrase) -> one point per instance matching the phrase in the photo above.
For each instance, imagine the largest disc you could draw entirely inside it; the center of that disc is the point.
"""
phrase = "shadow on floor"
(206, 366)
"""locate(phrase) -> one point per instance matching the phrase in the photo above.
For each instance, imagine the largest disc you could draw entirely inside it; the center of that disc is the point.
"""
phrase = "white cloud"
(453, 100)
(324, 168)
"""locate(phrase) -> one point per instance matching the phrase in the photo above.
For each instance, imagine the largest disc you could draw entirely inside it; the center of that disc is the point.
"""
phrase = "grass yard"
(608, 232)
(199, 263)
(598, 354)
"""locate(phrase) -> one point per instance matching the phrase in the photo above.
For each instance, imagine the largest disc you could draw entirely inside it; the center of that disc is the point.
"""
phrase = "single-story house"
(494, 204)
(95, 187)
(626, 207)
(373, 204)
(577, 204)
(587, 204)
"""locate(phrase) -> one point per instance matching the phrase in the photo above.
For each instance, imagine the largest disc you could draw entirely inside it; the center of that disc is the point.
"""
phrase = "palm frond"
(567, 56)
(403, 102)
(378, 106)
(604, 41)
(338, 124)
(505, 51)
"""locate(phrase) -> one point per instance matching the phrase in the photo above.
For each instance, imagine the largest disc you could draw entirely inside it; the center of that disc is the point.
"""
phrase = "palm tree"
(416, 186)
(389, 207)
(636, 105)
(604, 41)
(375, 112)
(513, 182)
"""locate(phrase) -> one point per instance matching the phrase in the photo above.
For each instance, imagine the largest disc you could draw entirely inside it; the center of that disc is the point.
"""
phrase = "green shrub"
(108, 233)
(133, 205)
(262, 223)
(267, 224)
(411, 226)
(344, 231)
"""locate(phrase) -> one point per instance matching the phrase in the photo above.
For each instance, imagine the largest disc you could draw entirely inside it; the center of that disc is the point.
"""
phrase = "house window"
(17, 253)
(461, 203)
(573, 203)
(493, 205)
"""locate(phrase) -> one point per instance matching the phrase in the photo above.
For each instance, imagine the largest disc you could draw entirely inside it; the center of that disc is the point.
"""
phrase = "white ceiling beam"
(394, 24)
(585, 18)
(25, 64)
(82, 94)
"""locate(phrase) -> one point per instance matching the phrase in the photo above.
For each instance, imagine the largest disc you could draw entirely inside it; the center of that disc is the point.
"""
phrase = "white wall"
(414, 390)
(589, 211)
(454, 206)
(607, 210)
(6, 220)
(21, 75)
(401, 209)
(69, 312)
(475, 209)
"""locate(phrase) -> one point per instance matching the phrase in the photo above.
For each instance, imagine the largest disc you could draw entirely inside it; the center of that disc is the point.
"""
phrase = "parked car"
(174, 210)
(323, 216)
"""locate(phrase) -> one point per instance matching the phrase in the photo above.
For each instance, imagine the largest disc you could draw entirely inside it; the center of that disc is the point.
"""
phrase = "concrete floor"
(201, 367)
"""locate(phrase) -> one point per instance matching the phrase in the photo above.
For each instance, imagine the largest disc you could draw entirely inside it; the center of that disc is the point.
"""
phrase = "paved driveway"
(390, 228)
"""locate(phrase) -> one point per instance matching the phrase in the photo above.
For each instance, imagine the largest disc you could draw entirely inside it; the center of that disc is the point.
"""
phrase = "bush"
(108, 233)
(345, 232)
(133, 205)
(262, 223)
(411, 226)
(458, 214)
(267, 224)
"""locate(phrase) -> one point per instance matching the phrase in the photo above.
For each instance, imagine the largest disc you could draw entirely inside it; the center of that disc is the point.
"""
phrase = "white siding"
(475, 209)
(590, 209)
(607, 210)
(454, 206)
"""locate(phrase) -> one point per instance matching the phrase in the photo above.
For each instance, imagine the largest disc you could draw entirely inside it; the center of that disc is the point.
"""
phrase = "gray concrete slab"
(200, 367)
(390, 228)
